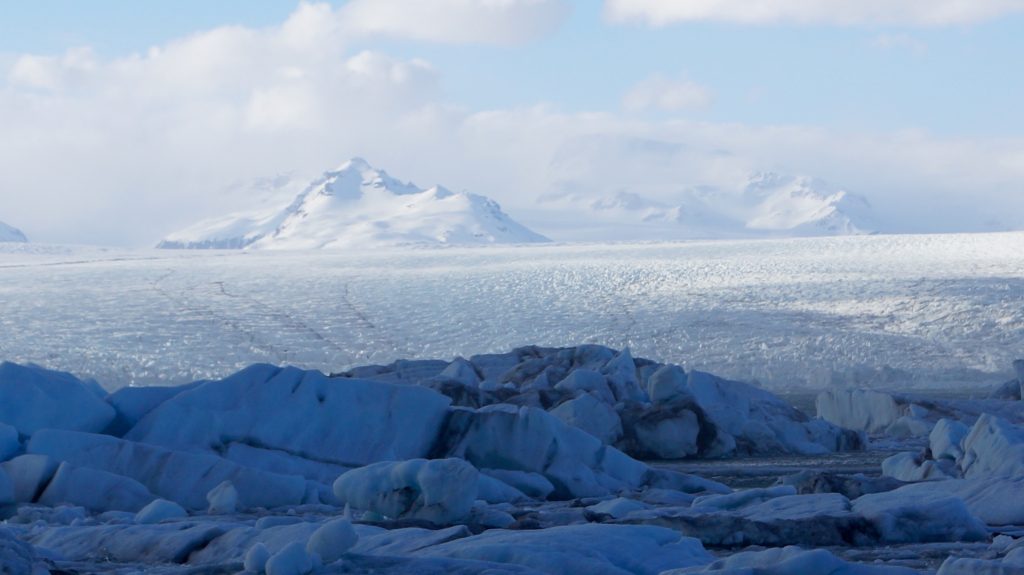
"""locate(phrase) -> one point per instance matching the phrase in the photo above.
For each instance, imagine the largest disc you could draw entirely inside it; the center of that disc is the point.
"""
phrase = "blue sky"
(961, 79)
(902, 100)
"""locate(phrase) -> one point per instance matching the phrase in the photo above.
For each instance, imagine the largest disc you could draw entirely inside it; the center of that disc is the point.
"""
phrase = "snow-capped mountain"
(800, 205)
(767, 204)
(358, 205)
(10, 234)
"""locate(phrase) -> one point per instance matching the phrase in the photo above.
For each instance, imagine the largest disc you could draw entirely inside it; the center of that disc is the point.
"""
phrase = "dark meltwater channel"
(750, 472)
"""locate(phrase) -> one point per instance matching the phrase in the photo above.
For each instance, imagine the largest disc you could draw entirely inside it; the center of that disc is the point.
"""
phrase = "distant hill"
(10, 234)
(357, 205)
(769, 204)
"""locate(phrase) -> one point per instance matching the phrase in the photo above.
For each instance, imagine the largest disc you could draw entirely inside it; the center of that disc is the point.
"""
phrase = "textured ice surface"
(880, 310)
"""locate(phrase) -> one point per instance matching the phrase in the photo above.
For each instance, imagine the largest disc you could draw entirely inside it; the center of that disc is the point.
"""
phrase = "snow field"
(881, 311)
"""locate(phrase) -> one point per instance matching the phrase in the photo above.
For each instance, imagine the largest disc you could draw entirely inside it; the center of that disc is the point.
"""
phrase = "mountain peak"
(354, 163)
(11, 234)
(358, 205)
(765, 204)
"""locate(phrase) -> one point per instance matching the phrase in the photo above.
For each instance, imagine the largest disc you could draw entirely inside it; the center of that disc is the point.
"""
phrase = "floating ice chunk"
(622, 377)
(666, 497)
(911, 517)
(530, 439)
(790, 561)
(669, 479)
(866, 410)
(617, 508)
(222, 499)
(128, 542)
(275, 532)
(911, 467)
(6, 489)
(667, 384)
(159, 510)
(33, 398)
(818, 519)
(994, 500)
(1012, 562)
(441, 491)
(182, 477)
(850, 486)
(292, 560)
(493, 490)
(282, 462)
(332, 539)
(132, 404)
(993, 448)
(532, 484)
(971, 566)
(461, 371)
(304, 413)
(907, 426)
(760, 422)
(796, 507)
(666, 432)
(586, 380)
(95, 490)
(917, 411)
(29, 474)
(946, 439)
(740, 499)
(9, 443)
(256, 558)
(1008, 391)
(18, 557)
(589, 548)
(489, 517)
(378, 541)
(591, 415)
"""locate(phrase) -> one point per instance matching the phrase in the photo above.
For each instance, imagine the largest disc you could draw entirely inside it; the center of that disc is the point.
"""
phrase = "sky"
(123, 121)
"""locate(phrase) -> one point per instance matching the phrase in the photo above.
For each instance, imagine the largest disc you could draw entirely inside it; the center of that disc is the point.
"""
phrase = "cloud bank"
(455, 21)
(124, 150)
(836, 12)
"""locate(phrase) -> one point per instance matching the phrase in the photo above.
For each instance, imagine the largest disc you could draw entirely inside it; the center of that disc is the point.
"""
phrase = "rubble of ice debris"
(508, 463)
(903, 415)
(646, 409)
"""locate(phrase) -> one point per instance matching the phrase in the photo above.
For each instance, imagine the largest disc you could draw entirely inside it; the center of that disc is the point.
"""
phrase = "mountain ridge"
(768, 204)
(11, 234)
(357, 205)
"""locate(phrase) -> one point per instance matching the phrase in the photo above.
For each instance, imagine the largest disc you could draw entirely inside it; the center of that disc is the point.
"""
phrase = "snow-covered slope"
(804, 206)
(767, 204)
(9, 234)
(357, 205)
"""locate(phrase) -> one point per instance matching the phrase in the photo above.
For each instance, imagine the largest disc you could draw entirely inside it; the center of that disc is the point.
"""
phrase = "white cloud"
(126, 150)
(838, 12)
(667, 94)
(151, 137)
(456, 21)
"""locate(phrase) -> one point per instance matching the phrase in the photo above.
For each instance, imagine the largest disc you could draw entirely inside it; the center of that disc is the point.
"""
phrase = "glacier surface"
(785, 313)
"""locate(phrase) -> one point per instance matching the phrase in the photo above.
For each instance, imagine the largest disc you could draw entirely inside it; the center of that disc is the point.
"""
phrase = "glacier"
(785, 314)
